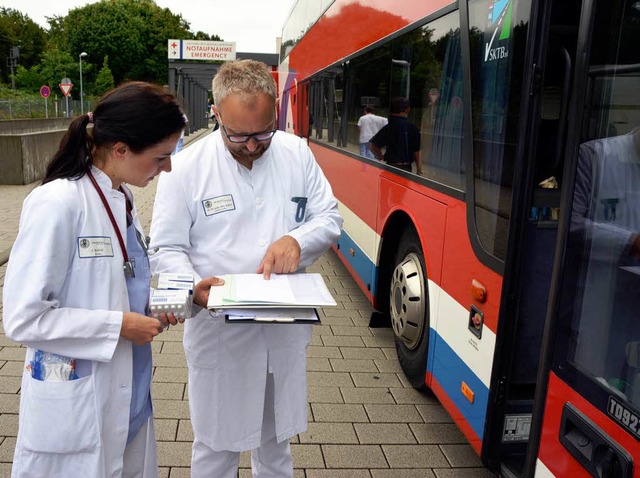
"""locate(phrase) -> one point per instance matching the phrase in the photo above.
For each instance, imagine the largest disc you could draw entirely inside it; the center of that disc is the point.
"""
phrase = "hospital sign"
(201, 50)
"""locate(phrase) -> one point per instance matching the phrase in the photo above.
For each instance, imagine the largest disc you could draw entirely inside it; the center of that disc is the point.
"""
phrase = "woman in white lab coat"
(76, 294)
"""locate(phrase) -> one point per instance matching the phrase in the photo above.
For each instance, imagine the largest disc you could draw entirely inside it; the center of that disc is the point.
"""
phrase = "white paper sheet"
(254, 288)
(283, 290)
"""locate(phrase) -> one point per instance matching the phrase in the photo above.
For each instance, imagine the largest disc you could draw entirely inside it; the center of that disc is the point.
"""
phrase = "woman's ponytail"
(73, 158)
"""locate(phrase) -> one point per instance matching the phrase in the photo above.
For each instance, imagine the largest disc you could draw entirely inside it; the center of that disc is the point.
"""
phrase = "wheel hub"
(408, 299)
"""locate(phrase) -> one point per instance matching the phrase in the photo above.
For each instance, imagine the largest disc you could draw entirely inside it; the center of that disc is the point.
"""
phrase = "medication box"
(172, 281)
(171, 293)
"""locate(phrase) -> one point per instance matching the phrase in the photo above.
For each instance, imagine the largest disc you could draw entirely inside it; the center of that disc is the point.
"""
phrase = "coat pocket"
(295, 212)
(59, 417)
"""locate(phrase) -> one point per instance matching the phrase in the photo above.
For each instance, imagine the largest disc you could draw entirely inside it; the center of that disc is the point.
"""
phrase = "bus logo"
(498, 19)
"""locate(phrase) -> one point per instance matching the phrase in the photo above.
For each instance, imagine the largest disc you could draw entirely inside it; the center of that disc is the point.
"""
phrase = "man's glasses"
(243, 138)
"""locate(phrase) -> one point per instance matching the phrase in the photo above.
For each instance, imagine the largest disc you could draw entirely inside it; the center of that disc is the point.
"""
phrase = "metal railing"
(49, 108)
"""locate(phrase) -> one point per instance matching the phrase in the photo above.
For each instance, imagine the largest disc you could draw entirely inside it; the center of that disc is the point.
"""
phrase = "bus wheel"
(408, 306)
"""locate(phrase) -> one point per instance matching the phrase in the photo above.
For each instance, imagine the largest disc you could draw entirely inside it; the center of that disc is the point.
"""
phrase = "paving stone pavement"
(365, 420)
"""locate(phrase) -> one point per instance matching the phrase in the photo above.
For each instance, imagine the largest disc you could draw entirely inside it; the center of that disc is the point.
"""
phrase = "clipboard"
(272, 316)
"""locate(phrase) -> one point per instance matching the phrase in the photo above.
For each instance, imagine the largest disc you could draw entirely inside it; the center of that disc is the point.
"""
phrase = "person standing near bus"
(180, 143)
(369, 124)
(77, 289)
(245, 199)
(400, 138)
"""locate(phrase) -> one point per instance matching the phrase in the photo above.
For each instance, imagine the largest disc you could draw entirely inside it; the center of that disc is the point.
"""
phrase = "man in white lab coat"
(245, 199)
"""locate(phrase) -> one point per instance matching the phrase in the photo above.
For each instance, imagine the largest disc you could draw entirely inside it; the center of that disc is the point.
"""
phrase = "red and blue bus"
(507, 263)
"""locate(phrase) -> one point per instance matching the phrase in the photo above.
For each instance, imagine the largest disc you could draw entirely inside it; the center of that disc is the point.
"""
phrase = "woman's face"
(139, 169)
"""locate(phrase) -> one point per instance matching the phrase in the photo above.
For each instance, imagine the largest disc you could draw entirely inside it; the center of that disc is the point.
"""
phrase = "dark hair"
(369, 109)
(398, 105)
(137, 114)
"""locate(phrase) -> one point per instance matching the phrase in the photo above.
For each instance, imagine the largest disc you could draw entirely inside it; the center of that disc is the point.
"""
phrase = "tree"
(104, 81)
(57, 65)
(19, 30)
(199, 35)
(132, 33)
(30, 79)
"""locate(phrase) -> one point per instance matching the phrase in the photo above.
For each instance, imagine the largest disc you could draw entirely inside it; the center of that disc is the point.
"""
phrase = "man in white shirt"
(245, 199)
(369, 125)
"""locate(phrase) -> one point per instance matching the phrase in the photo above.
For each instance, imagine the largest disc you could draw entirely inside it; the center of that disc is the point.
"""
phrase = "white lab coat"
(212, 216)
(56, 301)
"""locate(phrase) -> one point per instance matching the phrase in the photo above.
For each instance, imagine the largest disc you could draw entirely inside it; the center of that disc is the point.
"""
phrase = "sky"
(253, 24)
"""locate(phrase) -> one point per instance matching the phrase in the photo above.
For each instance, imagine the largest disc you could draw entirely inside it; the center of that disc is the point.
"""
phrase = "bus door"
(586, 419)
(548, 58)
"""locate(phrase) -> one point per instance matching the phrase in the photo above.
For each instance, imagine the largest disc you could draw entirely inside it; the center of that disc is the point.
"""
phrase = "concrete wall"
(27, 145)
(11, 160)
(24, 157)
(35, 125)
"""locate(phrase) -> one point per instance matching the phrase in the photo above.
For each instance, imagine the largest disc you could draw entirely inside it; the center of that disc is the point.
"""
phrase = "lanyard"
(128, 267)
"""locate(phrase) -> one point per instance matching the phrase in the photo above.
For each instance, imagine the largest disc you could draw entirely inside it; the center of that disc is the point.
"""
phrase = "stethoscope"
(128, 266)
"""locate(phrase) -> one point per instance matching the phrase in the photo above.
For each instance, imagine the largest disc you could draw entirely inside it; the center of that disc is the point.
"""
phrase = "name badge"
(218, 204)
(94, 246)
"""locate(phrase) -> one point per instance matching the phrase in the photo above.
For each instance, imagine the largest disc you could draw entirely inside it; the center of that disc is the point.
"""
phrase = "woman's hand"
(139, 328)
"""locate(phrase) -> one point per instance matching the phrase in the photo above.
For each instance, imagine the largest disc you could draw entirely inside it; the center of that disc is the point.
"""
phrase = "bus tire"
(409, 308)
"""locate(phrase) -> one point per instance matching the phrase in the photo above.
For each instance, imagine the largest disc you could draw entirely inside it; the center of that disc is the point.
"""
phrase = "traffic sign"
(434, 94)
(45, 91)
(65, 85)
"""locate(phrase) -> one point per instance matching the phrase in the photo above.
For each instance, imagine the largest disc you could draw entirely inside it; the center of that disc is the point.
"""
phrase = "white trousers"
(270, 460)
(136, 460)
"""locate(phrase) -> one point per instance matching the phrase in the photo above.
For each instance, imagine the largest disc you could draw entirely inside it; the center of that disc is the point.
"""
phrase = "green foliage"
(6, 93)
(104, 80)
(133, 33)
(30, 79)
(57, 65)
(129, 35)
(203, 36)
(19, 30)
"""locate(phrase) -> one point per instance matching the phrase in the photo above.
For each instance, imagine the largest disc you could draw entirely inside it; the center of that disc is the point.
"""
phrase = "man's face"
(239, 115)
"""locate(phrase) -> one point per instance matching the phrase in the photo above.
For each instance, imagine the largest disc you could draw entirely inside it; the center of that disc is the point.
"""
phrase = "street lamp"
(80, 57)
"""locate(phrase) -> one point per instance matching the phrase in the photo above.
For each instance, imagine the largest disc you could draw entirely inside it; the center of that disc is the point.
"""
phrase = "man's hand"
(201, 291)
(282, 257)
